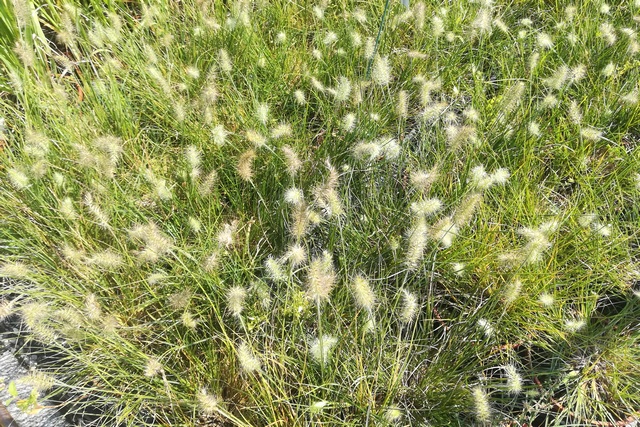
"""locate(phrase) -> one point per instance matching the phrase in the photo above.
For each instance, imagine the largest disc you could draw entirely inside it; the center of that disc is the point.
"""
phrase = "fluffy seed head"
(546, 299)
(67, 33)
(318, 12)
(245, 164)
(538, 241)
(349, 122)
(194, 224)
(320, 348)
(578, 73)
(72, 255)
(194, 159)
(369, 47)
(359, 15)
(444, 231)
(294, 196)
(179, 112)
(630, 98)
(363, 294)
(192, 72)
(437, 26)
(544, 41)
(34, 314)
(299, 97)
(156, 243)
(549, 101)
(226, 235)
(533, 61)
(18, 179)
(152, 368)
(479, 178)
(99, 215)
(471, 115)
(15, 270)
(481, 405)
(534, 129)
(356, 39)
(433, 111)
(317, 84)
(422, 180)
(608, 33)
(257, 139)
(188, 321)
(410, 307)
(235, 300)
(326, 196)
(381, 72)
(417, 242)
(501, 25)
(219, 135)
(367, 151)
(514, 379)
(281, 130)
(292, 160)
(262, 113)
(317, 407)
(207, 182)
(330, 38)
(393, 415)
(426, 207)
(275, 270)
(482, 21)
(458, 268)
(111, 148)
(179, 300)
(92, 307)
(575, 115)
(467, 209)
(296, 255)
(591, 134)
(512, 98)
(300, 221)
(6, 308)
(248, 361)
(574, 325)
(500, 176)
(402, 109)
(160, 80)
(512, 291)
(22, 12)
(105, 260)
(609, 70)
(321, 278)
(39, 381)
(224, 61)
(161, 190)
(343, 89)
(390, 147)
(207, 403)
(558, 78)
(36, 144)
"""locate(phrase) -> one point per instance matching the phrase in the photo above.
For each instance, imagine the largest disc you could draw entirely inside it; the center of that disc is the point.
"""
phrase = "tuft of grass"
(211, 212)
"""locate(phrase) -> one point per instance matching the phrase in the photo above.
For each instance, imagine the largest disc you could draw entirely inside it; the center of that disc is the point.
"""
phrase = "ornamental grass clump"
(254, 213)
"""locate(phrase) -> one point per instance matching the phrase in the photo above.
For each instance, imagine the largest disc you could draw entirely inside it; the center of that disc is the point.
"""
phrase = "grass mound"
(261, 213)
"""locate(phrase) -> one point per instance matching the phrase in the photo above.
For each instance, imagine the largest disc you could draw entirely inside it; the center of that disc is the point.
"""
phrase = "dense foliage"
(261, 213)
